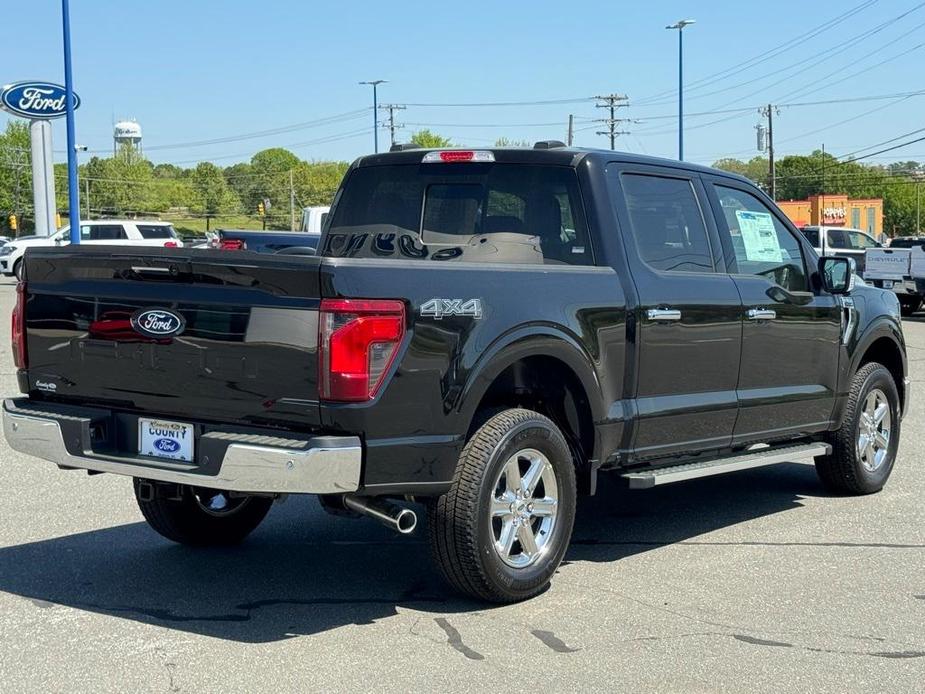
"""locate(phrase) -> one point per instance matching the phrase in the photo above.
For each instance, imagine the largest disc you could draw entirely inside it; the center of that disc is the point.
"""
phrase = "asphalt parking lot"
(756, 581)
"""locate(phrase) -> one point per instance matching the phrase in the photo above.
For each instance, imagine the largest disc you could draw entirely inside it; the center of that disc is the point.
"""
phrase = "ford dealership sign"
(37, 100)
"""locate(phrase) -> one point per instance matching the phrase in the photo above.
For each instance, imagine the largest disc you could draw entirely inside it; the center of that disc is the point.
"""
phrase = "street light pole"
(73, 199)
(680, 27)
(375, 84)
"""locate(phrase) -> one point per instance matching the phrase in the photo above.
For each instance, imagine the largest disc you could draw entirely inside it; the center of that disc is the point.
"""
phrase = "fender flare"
(530, 341)
(881, 327)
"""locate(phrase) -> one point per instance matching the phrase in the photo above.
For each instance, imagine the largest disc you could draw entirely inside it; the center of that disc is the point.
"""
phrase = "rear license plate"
(160, 439)
(887, 284)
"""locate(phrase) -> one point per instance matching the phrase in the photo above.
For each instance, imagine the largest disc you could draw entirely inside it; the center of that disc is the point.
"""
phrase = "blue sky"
(203, 69)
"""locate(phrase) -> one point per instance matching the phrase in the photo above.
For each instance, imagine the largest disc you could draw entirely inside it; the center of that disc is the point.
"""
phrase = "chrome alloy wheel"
(874, 427)
(524, 506)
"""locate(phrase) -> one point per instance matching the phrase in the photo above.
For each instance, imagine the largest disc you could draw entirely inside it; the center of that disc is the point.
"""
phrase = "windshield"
(503, 213)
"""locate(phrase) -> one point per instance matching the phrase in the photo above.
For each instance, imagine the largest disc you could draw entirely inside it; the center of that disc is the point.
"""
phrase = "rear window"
(157, 231)
(502, 213)
(906, 243)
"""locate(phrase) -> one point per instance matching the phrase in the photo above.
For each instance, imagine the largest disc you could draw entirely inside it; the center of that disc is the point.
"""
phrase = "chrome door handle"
(660, 314)
(761, 314)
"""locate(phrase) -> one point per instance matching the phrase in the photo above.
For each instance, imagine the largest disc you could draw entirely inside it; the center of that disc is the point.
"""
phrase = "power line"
(547, 102)
(765, 56)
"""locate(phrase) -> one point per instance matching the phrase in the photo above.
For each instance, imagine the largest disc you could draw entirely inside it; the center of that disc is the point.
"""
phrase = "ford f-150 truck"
(482, 332)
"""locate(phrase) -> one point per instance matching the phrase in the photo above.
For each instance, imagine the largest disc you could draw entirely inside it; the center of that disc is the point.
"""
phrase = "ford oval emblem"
(157, 322)
(35, 99)
(167, 445)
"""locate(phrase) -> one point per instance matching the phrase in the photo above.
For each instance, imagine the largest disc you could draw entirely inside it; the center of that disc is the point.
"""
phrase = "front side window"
(667, 223)
(762, 244)
(860, 241)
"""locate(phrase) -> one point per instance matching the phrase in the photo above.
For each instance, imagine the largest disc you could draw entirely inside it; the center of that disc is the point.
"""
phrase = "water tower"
(126, 132)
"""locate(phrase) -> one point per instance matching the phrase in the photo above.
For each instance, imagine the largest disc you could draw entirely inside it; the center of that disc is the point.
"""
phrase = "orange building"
(836, 210)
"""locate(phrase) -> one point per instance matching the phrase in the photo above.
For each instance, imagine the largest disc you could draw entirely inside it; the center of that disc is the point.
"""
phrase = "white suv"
(114, 232)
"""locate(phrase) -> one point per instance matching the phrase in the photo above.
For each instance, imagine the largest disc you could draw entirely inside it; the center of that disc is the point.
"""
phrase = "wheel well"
(884, 351)
(545, 385)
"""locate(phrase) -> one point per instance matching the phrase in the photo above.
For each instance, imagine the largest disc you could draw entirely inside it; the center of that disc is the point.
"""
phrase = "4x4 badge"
(438, 308)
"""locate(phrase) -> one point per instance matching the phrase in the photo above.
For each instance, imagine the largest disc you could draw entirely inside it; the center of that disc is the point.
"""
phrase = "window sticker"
(759, 237)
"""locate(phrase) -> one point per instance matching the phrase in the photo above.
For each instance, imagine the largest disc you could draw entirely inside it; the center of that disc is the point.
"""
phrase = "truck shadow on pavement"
(303, 572)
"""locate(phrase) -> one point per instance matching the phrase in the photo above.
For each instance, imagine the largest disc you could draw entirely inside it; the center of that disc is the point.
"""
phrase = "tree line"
(899, 184)
(129, 185)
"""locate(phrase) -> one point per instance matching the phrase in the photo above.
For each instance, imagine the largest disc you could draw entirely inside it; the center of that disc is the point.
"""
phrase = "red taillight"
(233, 245)
(171, 244)
(358, 340)
(20, 356)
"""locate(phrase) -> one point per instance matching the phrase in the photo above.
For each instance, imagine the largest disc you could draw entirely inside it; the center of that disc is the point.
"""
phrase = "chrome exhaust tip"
(401, 520)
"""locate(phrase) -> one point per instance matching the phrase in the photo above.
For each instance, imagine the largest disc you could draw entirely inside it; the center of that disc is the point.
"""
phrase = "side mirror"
(837, 274)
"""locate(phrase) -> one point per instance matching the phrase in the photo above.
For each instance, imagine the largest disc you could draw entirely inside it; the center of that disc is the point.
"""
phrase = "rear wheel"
(500, 533)
(864, 448)
(199, 516)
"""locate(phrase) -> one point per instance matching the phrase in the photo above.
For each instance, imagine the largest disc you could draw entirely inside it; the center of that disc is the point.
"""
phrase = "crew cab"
(97, 232)
(841, 242)
(483, 332)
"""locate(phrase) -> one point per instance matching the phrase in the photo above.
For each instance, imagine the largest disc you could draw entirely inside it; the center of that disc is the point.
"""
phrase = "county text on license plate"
(160, 439)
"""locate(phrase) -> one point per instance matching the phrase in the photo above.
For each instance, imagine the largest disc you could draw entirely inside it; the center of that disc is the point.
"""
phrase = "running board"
(644, 479)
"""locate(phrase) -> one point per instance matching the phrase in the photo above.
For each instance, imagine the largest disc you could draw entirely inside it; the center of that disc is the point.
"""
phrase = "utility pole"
(87, 194)
(392, 108)
(768, 112)
(822, 194)
(918, 207)
(291, 203)
(571, 129)
(612, 102)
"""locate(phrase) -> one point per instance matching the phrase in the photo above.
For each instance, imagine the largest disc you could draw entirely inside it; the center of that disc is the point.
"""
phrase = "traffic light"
(260, 210)
(13, 224)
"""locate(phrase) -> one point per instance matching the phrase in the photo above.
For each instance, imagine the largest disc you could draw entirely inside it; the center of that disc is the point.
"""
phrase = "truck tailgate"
(886, 263)
(247, 352)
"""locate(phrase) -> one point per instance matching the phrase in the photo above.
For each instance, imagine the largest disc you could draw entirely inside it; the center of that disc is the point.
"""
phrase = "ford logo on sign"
(35, 99)
(167, 445)
(157, 322)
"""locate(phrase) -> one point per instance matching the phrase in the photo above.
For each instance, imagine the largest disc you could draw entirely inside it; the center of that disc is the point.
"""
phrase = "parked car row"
(98, 232)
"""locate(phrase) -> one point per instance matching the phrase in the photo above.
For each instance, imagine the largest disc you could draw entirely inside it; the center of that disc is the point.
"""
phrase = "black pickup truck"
(481, 332)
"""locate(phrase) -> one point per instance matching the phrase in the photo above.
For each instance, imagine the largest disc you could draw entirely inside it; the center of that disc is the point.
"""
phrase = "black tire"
(461, 526)
(185, 519)
(844, 472)
(907, 308)
(18, 270)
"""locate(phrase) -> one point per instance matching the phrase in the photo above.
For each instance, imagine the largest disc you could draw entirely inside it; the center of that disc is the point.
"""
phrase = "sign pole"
(43, 177)
(73, 195)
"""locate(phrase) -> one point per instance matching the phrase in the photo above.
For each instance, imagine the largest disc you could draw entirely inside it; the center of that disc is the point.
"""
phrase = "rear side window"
(812, 235)
(667, 223)
(496, 213)
(157, 231)
(102, 232)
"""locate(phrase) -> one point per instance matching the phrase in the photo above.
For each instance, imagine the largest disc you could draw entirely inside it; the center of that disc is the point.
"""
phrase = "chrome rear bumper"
(250, 463)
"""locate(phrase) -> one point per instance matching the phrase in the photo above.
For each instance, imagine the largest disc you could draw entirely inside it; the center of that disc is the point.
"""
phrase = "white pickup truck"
(313, 218)
(895, 267)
